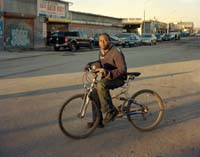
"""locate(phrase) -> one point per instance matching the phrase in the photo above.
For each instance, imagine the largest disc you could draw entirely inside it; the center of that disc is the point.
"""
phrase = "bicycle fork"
(86, 100)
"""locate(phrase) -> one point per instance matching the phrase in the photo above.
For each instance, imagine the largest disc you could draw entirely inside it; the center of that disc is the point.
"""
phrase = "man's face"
(104, 42)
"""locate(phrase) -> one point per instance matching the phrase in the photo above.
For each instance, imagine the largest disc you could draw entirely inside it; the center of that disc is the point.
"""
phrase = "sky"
(161, 10)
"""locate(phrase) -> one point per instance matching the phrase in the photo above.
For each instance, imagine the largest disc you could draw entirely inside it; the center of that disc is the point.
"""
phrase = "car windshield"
(55, 34)
(114, 38)
(71, 33)
(158, 35)
(123, 35)
(146, 36)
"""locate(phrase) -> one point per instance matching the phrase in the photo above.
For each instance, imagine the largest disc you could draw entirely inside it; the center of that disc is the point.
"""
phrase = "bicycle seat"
(133, 74)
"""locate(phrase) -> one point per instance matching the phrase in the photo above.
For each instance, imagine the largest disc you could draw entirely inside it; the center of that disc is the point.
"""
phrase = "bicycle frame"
(86, 98)
(122, 107)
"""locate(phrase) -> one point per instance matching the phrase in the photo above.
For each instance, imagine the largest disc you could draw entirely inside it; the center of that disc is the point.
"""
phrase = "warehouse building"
(27, 24)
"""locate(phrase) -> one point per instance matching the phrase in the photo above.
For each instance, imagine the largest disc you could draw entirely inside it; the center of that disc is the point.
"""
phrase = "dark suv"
(72, 40)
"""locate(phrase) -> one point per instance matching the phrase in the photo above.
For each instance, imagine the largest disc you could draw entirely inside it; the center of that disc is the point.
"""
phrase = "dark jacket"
(113, 61)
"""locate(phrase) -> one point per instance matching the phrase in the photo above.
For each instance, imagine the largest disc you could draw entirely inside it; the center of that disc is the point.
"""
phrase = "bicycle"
(144, 109)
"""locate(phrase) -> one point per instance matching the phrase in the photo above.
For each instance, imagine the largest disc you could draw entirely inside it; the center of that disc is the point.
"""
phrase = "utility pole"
(145, 3)
(144, 24)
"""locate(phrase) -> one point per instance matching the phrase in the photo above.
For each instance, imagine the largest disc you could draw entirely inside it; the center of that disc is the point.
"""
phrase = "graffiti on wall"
(19, 36)
(19, 33)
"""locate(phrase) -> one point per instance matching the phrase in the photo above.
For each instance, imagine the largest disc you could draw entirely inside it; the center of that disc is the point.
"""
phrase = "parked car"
(129, 39)
(159, 37)
(184, 34)
(149, 39)
(114, 40)
(175, 35)
(168, 37)
(197, 34)
(72, 40)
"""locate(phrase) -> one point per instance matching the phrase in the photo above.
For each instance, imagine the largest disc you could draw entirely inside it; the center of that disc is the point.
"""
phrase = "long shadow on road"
(177, 114)
(73, 87)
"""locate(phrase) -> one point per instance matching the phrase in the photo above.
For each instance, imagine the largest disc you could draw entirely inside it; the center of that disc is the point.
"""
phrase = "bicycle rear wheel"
(70, 122)
(146, 110)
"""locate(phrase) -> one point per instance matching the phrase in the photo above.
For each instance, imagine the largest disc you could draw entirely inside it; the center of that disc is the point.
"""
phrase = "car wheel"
(91, 45)
(73, 47)
(56, 48)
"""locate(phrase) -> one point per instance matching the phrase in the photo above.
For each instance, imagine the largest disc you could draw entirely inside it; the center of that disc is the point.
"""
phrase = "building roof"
(92, 14)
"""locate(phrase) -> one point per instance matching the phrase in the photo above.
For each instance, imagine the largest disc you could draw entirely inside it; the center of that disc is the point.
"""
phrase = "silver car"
(149, 39)
(129, 39)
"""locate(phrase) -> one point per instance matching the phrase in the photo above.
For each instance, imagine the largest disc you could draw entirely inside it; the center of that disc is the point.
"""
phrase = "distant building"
(186, 26)
(138, 26)
(174, 27)
(28, 23)
(181, 27)
(93, 24)
(153, 26)
(132, 25)
(197, 30)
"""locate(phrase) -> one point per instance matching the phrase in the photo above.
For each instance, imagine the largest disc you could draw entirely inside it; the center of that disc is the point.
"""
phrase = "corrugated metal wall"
(91, 30)
(92, 24)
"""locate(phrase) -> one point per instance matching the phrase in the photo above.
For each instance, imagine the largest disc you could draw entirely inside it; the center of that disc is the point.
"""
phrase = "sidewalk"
(11, 55)
(17, 54)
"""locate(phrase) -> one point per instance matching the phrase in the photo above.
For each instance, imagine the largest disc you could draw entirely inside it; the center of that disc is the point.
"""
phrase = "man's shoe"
(110, 116)
(90, 125)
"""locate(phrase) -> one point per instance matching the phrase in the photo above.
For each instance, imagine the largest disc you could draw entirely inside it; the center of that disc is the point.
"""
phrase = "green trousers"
(101, 94)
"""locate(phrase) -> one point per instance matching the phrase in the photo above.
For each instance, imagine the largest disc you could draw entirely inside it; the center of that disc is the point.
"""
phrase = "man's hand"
(86, 67)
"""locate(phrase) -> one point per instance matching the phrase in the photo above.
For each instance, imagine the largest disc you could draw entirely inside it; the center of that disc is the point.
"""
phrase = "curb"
(19, 54)
(26, 56)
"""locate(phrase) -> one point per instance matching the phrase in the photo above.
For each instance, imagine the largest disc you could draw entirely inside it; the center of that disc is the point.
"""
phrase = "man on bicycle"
(113, 67)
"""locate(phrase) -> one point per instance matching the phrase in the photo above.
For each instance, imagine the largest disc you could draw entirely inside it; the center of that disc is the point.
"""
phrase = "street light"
(144, 23)
(145, 2)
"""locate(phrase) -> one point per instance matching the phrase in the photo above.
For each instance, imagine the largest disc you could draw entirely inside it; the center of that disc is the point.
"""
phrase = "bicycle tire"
(142, 121)
(71, 124)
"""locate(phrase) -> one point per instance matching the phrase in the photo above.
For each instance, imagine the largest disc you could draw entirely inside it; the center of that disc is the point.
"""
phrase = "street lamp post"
(145, 2)
(144, 23)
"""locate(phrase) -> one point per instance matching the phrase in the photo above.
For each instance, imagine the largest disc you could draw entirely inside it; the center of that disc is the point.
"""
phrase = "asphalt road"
(65, 61)
(33, 89)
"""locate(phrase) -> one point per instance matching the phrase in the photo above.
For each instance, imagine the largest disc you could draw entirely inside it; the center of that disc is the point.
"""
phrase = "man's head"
(104, 41)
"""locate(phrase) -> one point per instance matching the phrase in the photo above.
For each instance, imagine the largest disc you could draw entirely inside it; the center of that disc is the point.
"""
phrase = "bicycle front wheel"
(70, 121)
(146, 109)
